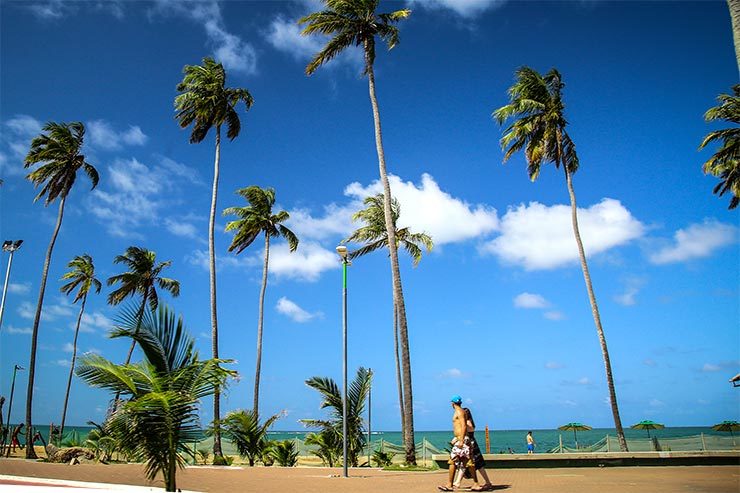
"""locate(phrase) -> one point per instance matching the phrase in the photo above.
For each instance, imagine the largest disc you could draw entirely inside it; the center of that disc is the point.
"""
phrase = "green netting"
(692, 443)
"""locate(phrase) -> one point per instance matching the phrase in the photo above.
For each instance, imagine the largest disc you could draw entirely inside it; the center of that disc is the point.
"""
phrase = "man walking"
(460, 454)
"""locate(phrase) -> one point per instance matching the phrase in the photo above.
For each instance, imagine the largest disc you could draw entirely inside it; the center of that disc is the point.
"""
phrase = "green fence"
(699, 442)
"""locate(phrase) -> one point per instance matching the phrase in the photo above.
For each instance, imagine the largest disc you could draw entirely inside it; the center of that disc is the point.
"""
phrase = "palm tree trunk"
(408, 437)
(595, 312)
(398, 370)
(259, 328)
(218, 455)
(734, 6)
(30, 452)
(72, 367)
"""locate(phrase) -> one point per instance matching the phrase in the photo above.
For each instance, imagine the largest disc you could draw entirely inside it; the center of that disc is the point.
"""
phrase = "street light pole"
(11, 247)
(342, 251)
(10, 406)
(369, 415)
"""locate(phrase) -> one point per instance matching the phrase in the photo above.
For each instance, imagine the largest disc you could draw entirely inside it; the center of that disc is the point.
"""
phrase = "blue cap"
(456, 399)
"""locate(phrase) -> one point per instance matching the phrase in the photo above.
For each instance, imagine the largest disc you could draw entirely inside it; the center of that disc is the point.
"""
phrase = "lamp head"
(342, 251)
(17, 244)
(6, 245)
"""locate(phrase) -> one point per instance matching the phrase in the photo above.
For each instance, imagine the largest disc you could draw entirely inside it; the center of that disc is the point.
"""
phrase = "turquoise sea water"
(501, 440)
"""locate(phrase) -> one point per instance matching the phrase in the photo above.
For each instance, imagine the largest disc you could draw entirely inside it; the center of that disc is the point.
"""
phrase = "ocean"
(501, 440)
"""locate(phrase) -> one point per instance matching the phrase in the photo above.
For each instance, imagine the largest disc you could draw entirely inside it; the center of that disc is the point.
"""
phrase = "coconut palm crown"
(206, 102)
(81, 276)
(351, 22)
(725, 163)
(60, 152)
(142, 278)
(374, 235)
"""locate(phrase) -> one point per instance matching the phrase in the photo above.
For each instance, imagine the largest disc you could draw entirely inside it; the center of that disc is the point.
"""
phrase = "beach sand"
(706, 479)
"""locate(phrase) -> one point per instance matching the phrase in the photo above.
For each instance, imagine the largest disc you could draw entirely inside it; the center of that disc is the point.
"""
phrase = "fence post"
(607, 443)
(561, 442)
(488, 441)
(703, 443)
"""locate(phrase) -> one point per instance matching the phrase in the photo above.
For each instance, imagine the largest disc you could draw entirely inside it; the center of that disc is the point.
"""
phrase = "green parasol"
(731, 426)
(647, 425)
(575, 427)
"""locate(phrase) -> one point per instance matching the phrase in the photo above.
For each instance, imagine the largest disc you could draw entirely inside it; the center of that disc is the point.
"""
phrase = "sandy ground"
(698, 479)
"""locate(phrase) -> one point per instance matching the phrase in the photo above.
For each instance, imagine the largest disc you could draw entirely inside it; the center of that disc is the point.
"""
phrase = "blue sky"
(498, 312)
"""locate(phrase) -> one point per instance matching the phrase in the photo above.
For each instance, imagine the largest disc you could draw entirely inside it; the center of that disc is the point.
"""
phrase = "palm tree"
(725, 164)
(59, 152)
(353, 22)
(159, 419)
(249, 436)
(206, 102)
(375, 236)
(539, 127)
(142, 278)
(734, 6)
(356, 398)
(328, 445)
(81, 277)
(256, 219)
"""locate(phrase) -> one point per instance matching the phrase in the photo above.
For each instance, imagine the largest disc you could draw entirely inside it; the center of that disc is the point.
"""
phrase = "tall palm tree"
(59, 153)
(81, 277)
(142, 278)
(725, 163)
(734, 6)
(206, 102)
(353, 22)
(375, 236)
(253, 220)
(356, 398)
(539, 127)
(159, 417)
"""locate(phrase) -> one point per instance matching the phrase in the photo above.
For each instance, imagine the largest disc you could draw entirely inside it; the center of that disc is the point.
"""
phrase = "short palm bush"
(158, 416)
(249, 436)
(285, 453)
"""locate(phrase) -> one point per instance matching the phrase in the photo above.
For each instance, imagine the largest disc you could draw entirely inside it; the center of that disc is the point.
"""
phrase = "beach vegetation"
(80, 277)
(245, 431)
(538, 128)
(206, 102)
(158, 415)
(382, 459)
(725, 162)
(252, 221)
(100, 441)
(374, 235)
(352, 23)
(284, 452)
(58, 152)
(331, 395)
(326, 445)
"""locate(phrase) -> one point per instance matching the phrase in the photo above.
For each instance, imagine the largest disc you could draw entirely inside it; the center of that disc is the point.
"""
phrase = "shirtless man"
(530, 443)
(460, 455)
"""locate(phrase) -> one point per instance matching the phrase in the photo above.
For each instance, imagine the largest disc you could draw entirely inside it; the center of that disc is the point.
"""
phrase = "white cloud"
(57, 9)
(539, 237)
(708, 367)
(19, 288)
(650, 362)
(94, 322)
(463, 8)
(19, 330)
(293, 311)
(453, 373)
(133, 196)
(229, 49)
(632, 288)
(306, 263)
(427, 208)
(102, 136)
(66, 363)
(50, 312)
(17, 136)
(656, 403)
(554, 365)
(554, 315)
(180, 228)
(68, 347)
(336, 221)
(696, 241)
(584, 381)
(285, 35)
(529, 300)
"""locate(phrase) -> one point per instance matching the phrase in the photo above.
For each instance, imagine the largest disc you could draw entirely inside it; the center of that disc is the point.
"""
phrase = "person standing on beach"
(530, 443)
(476, 455)
(460, 454)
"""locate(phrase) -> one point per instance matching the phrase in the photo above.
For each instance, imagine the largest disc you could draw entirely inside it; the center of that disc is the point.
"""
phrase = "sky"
(498, 311)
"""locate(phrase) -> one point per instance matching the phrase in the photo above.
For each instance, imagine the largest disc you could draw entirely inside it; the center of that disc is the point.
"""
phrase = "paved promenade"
(688, 479)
